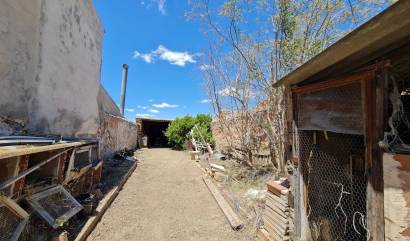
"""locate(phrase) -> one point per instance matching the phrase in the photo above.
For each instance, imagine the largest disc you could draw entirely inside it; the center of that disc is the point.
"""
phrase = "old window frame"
(70, 173)
(35, 204)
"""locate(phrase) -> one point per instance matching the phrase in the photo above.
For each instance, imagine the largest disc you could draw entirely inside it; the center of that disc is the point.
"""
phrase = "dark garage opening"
(154, 130)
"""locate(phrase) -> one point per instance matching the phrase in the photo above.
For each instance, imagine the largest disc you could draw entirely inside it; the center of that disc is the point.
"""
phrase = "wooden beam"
(12, 151)
(353, 78)
(375, 96)
(233, 219)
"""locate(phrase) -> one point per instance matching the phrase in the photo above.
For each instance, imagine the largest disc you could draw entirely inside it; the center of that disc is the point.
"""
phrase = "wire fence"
(333, 168)
(8, 223)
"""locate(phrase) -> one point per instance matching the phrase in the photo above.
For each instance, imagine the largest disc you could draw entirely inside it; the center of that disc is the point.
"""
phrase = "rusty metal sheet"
(396, 196)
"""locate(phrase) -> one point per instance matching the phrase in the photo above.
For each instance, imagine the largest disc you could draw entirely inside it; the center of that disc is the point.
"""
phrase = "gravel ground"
(165, 199)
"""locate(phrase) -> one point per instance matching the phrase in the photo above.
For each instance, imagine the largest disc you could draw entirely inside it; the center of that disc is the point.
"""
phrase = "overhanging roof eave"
(387, 28)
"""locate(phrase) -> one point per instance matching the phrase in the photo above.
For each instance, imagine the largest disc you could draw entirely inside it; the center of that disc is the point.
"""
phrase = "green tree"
(179, 129)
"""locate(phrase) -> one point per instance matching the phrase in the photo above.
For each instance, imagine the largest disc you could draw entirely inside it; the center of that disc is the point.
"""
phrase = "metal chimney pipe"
(124, 87)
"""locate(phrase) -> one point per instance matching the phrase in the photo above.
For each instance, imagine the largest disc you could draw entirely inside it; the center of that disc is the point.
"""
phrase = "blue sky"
(163, 52)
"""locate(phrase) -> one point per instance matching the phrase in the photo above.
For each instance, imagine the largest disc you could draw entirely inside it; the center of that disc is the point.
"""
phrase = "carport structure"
(154, 131)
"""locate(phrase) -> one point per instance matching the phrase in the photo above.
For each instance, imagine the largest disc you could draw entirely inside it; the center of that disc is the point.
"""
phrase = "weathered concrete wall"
(19, 37)
(106, 103)
(67, 83)
(117, 134)
(50, 58)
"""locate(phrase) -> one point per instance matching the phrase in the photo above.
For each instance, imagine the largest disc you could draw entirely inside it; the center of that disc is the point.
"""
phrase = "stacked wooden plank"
(277, 215)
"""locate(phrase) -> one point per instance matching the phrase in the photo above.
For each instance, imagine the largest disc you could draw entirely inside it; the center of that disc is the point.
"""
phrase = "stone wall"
(117, 134)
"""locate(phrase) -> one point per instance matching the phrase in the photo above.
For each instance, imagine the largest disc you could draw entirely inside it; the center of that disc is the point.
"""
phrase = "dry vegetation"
(243, 187)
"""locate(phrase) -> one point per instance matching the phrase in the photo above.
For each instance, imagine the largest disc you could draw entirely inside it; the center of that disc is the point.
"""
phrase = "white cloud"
(144, 115)
(173, 57)
(161, 6)
(164, 105)
(205, 101)
(153, 111)
(150, 100)
(142, 107)
(129, 109)
(148, 58)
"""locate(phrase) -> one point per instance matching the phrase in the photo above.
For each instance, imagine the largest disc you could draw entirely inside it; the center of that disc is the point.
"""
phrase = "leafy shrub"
(178, 131)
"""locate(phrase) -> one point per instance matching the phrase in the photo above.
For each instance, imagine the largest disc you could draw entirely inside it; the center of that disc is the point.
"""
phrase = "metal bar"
(45, 193)
(19, 230)
(12, 180)
(24, 138)
(123, 87)
(24, 142)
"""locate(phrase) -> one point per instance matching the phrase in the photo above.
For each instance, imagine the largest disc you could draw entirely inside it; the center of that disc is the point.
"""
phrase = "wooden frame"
(351, 79)
(13, 151)
(19, 212)
(374, 105)
(55, 223)
(70, 174)
(14, 179)
(375, 90)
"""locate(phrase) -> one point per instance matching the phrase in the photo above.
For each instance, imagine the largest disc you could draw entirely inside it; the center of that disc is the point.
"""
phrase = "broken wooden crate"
(277, 214)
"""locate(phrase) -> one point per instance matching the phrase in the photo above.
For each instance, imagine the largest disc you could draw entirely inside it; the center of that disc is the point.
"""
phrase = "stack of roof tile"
(277, 215)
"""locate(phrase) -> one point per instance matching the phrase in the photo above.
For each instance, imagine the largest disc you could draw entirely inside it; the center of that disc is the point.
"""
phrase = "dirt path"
(165, 199)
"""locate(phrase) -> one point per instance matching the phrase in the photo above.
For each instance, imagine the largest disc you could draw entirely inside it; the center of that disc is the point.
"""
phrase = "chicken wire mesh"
(8, 223)
(57, 204)
(333, 170)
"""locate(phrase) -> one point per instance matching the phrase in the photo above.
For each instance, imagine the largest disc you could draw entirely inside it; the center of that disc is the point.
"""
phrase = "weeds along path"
(164, 199)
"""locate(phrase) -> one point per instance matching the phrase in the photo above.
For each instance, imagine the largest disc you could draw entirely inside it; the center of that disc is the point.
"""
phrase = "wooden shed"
(348, 121)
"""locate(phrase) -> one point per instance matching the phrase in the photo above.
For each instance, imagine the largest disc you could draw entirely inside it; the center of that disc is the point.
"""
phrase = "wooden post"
(19, 185)
(374, 93)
